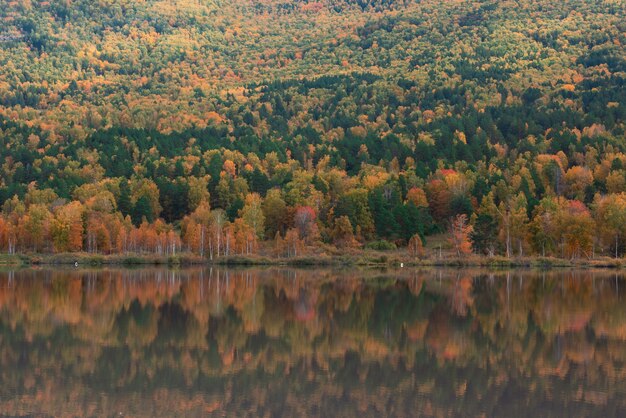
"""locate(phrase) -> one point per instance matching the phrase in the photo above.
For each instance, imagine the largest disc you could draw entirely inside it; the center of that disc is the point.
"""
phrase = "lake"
(283, 342)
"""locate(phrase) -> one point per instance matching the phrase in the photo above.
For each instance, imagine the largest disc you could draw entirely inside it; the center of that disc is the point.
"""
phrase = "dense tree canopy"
(392, 117)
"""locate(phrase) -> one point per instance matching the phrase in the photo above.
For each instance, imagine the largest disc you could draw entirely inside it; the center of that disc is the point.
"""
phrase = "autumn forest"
(291, 128)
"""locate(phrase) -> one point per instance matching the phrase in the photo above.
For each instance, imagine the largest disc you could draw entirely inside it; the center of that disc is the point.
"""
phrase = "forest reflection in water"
(283, 342)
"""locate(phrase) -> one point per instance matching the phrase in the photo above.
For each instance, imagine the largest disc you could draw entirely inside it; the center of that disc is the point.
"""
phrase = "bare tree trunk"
(202, 241)
(508, 237)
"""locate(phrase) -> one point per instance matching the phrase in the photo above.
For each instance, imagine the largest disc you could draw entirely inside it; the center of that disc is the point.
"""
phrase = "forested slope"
(228, 122)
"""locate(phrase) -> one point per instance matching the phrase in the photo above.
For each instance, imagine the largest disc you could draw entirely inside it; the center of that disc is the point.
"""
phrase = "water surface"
(279, 342)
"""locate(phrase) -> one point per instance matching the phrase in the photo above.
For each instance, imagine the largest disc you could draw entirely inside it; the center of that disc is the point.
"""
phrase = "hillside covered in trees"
(226, 127)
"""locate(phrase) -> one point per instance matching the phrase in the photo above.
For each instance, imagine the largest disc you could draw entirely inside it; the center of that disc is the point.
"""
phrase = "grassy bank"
(11, 260)
(85, 259)
(381, 259)
(360, 258)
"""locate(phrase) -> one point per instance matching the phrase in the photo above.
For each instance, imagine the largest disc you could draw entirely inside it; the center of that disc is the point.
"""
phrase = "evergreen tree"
(123, 202)
(142, 209)
(384, 220)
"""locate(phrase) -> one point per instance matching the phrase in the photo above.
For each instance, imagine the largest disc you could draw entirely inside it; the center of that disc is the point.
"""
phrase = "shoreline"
(361, 260)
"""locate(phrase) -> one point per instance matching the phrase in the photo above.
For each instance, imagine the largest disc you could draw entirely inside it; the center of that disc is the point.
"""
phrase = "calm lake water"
(280, 342)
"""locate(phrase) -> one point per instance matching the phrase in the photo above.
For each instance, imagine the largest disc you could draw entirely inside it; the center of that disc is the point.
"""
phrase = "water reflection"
(312, 343)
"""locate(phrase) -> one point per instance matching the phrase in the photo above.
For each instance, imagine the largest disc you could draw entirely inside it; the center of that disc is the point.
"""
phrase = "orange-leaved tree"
(67, 228)
(416, 247)
(460, 231)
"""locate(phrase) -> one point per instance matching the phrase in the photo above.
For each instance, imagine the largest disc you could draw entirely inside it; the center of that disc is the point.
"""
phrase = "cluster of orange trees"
(75, 227)
(383, 210)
